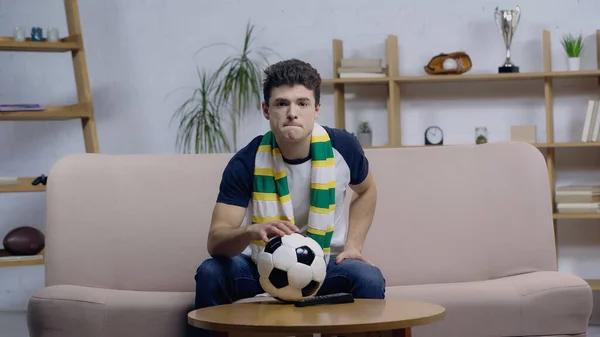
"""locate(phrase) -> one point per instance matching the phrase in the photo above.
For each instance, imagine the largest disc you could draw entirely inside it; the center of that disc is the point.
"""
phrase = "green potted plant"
(481, 135)
(200, 129)
(231, 91)
(573, 47)
(364, 134)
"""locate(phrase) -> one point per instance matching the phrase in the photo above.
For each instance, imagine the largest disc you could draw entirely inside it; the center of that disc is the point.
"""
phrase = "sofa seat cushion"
(68, 310)
(541, 303)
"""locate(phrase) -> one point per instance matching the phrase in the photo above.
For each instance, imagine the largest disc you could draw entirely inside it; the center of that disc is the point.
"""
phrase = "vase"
(574, 63)
(19, 34)
(52, 34)
(365, 139)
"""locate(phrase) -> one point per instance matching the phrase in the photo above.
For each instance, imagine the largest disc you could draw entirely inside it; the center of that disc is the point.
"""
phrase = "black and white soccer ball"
(291, 267)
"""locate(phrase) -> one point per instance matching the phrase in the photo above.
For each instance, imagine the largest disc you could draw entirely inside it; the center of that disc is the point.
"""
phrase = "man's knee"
(368, 279)
(209, 268)
(213, 270)
(210, 279)
(371, 276)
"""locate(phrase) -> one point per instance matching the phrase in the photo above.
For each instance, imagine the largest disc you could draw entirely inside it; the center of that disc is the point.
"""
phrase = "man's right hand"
(267, 230)
(227, 238)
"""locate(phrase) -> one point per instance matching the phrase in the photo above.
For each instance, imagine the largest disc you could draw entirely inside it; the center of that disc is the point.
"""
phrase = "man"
(291, 105)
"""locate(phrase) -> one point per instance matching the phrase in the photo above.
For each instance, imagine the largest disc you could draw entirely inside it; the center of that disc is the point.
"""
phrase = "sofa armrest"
(68, 310)
(552, 301)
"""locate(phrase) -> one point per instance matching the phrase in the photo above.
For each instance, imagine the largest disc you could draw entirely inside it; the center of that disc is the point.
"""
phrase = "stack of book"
(361, 68)
(578, 199)
(591, 126)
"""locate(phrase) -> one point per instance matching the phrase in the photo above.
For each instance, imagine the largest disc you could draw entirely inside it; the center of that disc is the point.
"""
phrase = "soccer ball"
(291, 267)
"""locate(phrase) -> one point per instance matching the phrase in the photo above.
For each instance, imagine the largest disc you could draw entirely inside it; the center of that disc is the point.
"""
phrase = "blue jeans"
(226, 280)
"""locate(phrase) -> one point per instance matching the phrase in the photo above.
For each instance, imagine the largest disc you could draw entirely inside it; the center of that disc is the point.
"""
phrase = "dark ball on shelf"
(24, 241)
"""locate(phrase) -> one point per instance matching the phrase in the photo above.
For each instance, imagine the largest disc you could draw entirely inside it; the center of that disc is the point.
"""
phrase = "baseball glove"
(435, 66)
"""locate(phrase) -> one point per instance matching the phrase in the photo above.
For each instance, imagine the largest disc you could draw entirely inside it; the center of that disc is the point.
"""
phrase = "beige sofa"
(466, 227)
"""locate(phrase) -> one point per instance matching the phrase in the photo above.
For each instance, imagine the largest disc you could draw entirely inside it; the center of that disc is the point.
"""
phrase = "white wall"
(139, 52)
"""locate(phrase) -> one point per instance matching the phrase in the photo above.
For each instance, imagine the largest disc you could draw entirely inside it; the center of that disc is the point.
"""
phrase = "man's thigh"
(239, 266)
(353, 276)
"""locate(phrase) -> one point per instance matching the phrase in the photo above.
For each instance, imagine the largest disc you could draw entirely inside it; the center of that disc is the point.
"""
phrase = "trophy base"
(508, 69)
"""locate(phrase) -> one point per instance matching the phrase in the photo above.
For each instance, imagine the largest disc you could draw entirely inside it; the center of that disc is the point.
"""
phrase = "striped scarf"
(271, 196)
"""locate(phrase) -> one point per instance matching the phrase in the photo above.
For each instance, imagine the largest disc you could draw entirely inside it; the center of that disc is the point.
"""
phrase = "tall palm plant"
(233, 89)
(200, 124)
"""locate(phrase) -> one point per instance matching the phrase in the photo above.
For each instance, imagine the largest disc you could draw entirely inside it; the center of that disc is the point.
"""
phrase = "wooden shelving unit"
(394, 82)
(82, 109)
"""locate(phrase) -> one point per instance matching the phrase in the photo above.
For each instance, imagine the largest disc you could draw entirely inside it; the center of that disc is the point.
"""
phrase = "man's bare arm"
(362, 211)
(226, 236)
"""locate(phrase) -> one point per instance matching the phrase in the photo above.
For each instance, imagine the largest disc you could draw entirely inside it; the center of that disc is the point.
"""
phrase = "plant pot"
(574, 63)
(365, 139)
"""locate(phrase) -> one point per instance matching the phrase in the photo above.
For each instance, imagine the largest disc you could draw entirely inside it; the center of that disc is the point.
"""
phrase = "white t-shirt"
(351, 167)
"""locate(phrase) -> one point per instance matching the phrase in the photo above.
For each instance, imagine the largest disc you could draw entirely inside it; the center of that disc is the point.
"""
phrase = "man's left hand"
(351, 253)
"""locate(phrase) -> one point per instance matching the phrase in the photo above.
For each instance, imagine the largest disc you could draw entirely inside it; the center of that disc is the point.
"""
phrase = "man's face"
(291, 112)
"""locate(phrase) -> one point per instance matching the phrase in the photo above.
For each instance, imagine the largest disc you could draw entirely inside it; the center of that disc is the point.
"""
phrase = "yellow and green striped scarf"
(271, 196)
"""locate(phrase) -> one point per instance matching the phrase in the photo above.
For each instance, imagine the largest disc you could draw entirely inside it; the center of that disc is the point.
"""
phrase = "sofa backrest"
(461, 213)
(447, 214)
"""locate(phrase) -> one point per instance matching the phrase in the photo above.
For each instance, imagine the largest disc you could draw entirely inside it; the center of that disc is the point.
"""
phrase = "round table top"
(272, 316)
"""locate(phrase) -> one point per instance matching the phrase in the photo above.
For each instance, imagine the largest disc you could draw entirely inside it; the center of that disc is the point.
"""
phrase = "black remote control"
(326, 299)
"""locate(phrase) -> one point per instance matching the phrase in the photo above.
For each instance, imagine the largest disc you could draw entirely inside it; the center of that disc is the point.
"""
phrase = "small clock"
(434, 136)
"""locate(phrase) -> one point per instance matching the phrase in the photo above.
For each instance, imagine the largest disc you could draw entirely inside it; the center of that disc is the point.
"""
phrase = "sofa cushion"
(67, 310)
(532, 304)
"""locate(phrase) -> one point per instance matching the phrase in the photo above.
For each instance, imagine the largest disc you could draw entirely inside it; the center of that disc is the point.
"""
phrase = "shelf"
(576, 216)
(468, 77)
(24, 185)
(497, 77)
(7, 260)
(20, 263)
(50, 113)
(538, 145)
(363, 80)
(567, 144)
(594, 284)
(71, 43)
(575, 74)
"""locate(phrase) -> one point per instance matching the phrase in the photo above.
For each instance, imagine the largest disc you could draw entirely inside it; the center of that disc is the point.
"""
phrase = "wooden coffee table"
(270, 317)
